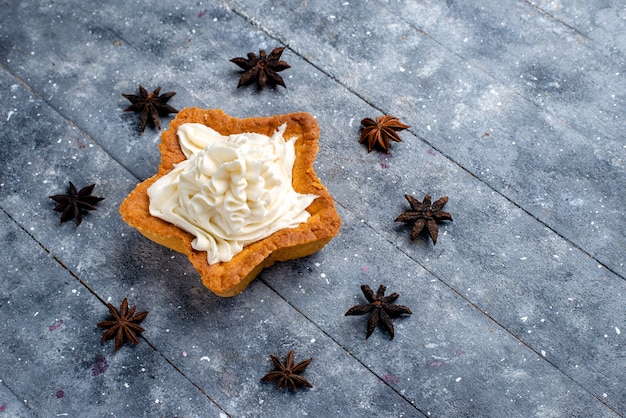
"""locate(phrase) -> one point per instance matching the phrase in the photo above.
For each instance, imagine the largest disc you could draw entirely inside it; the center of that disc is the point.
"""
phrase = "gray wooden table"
(517, 114)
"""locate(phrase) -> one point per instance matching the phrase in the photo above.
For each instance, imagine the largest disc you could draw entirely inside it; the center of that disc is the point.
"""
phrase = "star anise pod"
(379, 132)
(150, 105)
(262, 69)
(380, 308)
(288, 375)
(124, 324)
(73, 203)
(424, 214)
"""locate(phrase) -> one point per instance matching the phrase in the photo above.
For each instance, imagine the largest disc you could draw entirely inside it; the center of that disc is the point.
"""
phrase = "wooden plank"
(497, 279)
(483, 123)
(51, 354)
(448, 357)
(521, 255)
(604, 22)
(11, 405)
(559, 162)
(221, 345)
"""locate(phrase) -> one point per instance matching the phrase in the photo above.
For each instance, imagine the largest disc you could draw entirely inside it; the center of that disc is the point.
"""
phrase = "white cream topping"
(231, 190)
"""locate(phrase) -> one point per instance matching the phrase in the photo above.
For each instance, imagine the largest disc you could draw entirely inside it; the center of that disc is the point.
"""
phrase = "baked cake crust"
(230, 278)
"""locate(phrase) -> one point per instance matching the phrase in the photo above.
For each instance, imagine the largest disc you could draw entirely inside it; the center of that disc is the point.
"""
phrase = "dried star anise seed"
(124, 324)
(262, 69)
(150, 105)
(72, 204)
(380, 308)
(381, 131)
(424, 214)
(288, 375)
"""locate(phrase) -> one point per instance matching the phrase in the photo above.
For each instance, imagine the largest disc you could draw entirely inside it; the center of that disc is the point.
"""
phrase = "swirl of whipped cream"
(231, 190)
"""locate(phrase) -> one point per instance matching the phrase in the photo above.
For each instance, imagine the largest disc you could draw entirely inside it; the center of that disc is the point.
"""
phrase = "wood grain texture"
(516, 112)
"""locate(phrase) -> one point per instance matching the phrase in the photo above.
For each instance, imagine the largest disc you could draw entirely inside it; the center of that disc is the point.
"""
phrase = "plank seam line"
(410, 402)
(21, 400)
(483, 312)
(84, 284)
(197, 386)
(362, 98)
(513, 89)
(419, 137)
(34, 92)
(606, 47)
(70, 121)
(556, 19)
(336, 80)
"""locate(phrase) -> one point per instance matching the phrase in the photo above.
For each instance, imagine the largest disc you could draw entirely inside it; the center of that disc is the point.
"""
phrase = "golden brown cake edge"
(230, 278)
